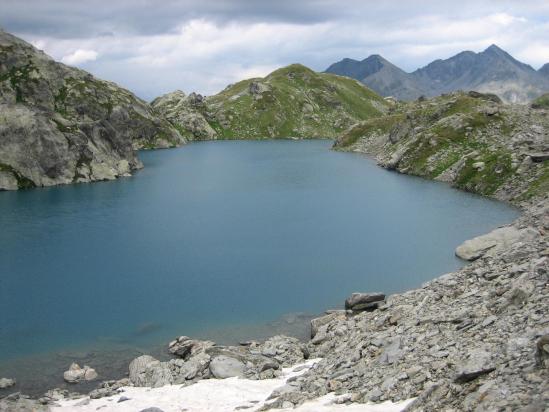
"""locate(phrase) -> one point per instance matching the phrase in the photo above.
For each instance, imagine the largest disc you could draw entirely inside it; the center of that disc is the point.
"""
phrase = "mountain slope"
(472, 141)
(380, 75)
(544, 70)
(61, 125)
(293, 101)
(490, 71)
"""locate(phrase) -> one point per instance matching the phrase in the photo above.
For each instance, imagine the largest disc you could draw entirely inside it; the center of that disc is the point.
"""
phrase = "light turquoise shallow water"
(218, 235)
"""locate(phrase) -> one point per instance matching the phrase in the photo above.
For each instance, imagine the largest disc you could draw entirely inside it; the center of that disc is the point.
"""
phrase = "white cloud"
(204, 55)
(80, 56)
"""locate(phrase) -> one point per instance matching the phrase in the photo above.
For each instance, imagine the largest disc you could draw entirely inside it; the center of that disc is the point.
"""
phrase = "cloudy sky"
(152, 47)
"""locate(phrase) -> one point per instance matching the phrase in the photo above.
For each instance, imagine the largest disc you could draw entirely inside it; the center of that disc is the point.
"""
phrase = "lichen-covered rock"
(61, 125)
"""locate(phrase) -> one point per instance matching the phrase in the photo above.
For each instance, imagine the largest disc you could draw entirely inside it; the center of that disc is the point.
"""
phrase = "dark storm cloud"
(74, 18)
(66, 18)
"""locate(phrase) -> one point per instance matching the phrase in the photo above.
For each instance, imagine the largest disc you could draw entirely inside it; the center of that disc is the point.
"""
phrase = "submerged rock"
(76, 374)
(7, 383)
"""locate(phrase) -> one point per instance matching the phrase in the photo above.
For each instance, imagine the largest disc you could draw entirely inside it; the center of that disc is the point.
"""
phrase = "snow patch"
(216, 395)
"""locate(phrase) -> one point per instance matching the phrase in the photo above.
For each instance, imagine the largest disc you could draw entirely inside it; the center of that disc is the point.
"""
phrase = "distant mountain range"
(492, 70)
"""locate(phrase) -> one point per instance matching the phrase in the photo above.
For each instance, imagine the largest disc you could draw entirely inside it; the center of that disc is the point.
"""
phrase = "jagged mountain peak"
(544, 70)
(494, 48)
(491, 70)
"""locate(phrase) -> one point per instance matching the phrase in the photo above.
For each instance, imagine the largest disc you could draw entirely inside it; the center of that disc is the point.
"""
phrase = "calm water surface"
(216, 237)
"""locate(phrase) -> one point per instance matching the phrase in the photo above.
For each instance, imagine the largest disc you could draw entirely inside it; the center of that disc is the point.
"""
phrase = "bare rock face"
(186, 113)
(61, 125)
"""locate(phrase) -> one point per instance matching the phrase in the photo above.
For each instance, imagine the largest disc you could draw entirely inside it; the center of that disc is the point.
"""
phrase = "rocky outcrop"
(203, 359)
(61, 125)
(186, 114)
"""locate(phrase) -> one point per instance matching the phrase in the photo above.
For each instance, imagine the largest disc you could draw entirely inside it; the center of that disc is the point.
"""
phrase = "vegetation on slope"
(293, 101)
(541, 102)
(470, 140)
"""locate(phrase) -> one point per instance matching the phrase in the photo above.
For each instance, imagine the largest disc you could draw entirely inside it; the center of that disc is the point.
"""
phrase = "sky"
(154, 47)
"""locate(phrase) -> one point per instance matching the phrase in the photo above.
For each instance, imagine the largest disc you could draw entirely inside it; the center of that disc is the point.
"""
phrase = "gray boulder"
(362, 301)
(317, 323)
(150, 372)
(478, 362)
(225, 367)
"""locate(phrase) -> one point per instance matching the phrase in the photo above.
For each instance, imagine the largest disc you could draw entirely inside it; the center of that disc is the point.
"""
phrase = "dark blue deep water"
(216, 235)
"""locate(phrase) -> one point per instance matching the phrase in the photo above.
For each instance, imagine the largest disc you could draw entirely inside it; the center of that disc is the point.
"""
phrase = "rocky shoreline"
(475, 339)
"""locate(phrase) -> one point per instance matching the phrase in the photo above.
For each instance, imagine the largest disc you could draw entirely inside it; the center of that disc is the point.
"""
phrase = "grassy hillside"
(541, 102)
(290, 102)
(472, 141)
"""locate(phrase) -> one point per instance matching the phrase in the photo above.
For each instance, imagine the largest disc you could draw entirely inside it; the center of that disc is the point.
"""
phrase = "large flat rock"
(493, 242)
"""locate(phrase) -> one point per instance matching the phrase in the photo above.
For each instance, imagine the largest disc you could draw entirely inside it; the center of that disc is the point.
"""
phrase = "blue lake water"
(217, 235)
